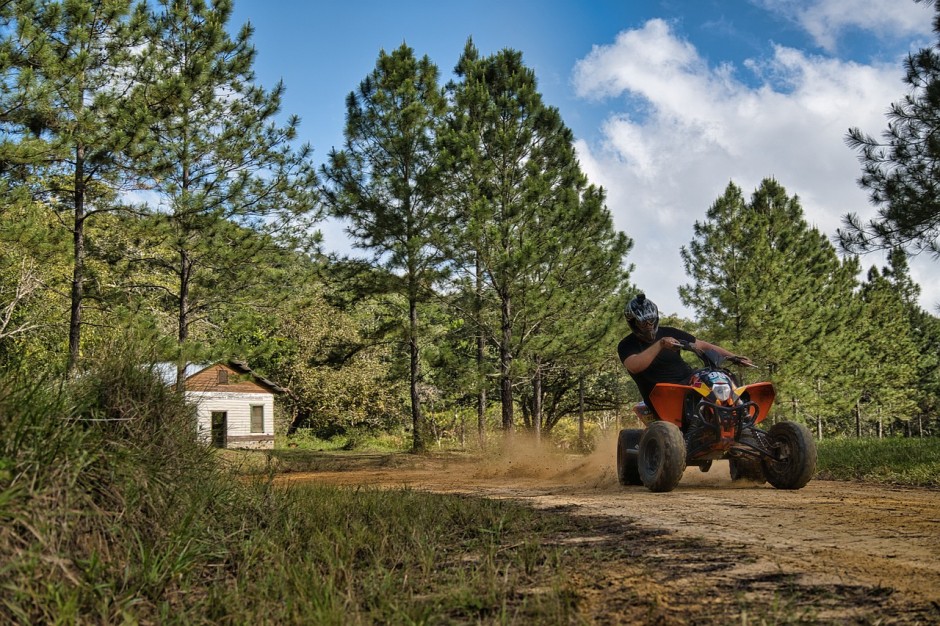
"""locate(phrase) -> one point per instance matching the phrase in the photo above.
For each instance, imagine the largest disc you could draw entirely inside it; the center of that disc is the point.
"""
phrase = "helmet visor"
(646, 329)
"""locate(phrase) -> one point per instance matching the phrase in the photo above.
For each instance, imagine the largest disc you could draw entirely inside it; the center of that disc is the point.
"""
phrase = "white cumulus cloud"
(827, 20)
(680, 130)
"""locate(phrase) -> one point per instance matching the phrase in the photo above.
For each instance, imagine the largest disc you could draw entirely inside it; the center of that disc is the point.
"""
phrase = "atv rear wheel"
(662, 456)
(627, 470)
(794, 456)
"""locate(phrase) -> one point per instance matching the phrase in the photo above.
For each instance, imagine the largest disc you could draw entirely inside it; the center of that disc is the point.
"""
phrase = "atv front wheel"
(627, 470)
(793, 461)
(662, 456)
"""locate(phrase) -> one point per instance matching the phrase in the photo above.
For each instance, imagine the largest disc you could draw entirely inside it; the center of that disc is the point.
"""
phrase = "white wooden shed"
(235, 406)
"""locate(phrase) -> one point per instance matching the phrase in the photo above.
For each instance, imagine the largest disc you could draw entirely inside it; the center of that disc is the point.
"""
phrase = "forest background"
(493, 293)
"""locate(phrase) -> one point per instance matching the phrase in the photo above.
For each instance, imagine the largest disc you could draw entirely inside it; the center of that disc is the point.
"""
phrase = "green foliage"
(74, 122)
(887, 377)
(337, 373)
(923, 329)
(384, 183)
(106, 97)
(901, 171)
(227, 177)
(34, 271)
(531, 238)
(768, 286)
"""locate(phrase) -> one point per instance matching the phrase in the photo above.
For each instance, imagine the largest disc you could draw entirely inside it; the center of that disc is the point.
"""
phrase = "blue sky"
(669, 100)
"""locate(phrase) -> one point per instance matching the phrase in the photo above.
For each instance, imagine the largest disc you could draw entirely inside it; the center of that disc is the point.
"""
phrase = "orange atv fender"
(667, 400)
(762, 394)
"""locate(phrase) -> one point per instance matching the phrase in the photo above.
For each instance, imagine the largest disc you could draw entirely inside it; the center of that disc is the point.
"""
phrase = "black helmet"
(640, 310)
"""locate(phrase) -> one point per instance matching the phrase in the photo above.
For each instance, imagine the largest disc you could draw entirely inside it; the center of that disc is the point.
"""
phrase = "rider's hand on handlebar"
(742, 360)
(670, 343)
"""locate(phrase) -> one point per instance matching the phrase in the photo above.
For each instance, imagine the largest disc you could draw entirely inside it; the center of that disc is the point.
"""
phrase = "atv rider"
(651, 352)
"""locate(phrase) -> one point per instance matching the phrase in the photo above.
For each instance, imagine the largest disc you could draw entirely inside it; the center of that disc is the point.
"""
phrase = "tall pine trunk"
(182, 331)
(581, 412)
(185, 276)
(858, 419)
(417, 419)
(537, 400)
(481, 357)
(505, 364)
(78, 263)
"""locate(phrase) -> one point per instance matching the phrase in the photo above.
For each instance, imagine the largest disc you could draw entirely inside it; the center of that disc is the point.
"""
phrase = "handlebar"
(737, 360)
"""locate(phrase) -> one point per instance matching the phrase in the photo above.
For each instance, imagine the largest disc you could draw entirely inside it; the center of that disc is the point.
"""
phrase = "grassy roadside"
(913, 462)
(110, 512)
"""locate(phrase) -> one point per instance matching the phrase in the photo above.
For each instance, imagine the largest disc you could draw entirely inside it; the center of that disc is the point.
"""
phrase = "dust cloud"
(522, 457)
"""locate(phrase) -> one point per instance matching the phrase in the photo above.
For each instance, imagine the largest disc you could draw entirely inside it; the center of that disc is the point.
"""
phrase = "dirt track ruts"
(875, 548)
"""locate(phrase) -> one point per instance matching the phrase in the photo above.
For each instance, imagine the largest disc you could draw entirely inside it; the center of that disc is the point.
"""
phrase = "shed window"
(223, 376)
(257, 418)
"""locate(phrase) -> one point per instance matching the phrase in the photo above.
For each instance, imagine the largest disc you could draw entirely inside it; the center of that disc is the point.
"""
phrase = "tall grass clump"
(104, 493)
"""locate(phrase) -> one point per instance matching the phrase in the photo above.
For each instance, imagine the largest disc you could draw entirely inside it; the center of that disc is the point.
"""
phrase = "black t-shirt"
(667, 367)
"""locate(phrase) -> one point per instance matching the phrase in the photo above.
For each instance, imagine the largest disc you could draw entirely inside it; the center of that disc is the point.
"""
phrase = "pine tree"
(902, 172)
(71, 68)
(464, 172)
(721, 261)
(769, 286)
(924, 332)
(223, 169)
(384, 183)
(537, 233)
(572, 310)
(888, 376)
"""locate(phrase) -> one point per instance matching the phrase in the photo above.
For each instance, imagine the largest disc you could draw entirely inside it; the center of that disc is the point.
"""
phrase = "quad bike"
(713, 417)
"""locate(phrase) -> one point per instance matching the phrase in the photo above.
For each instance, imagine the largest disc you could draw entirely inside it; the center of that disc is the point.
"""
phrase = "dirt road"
(856, 553)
